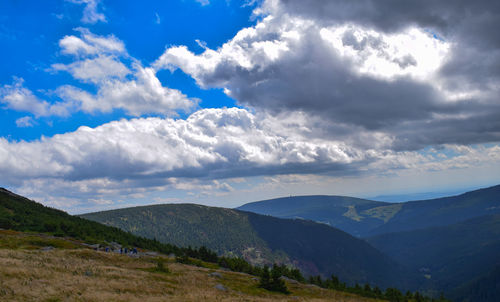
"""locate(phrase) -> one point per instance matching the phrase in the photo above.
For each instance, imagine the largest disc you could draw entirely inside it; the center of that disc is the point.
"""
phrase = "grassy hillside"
(72, 272)
(451, 256)
(364, 218)
(314, 248)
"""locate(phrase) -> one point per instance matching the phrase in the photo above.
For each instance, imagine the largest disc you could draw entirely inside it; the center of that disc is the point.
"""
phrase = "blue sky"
(29, 36)
(107, 104)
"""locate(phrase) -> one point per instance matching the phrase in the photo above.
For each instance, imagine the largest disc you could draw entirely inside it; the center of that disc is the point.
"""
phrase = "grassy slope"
(314, 248)
(452, 255)
(72, 272)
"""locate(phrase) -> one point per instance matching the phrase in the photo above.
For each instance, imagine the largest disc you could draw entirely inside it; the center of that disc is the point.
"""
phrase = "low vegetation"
(73, 272)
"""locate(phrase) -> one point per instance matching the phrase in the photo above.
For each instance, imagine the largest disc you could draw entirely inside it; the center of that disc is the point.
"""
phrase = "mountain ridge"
(363, 218)
(314, 248)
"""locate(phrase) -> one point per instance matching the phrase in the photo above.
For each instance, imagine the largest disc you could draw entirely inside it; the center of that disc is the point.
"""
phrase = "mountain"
(443, 211)
(450, 256)
(45, 255)
(361, 217)
(353, 215)
(314, 248)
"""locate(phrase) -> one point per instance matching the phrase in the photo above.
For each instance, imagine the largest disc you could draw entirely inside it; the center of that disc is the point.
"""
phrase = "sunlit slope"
(71, 272)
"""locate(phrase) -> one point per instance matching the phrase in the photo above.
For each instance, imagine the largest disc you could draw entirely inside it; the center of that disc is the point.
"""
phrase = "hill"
(364, 218)
(451, 256)
(70, 271)
(314, 248)
(21, 214)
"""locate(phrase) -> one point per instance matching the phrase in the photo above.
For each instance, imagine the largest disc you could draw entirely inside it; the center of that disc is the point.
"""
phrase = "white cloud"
(18, 98)
(127, 158)
(90, 44)
(144, 94)
(25, 122)
(215, 142)
(95, 70)
(349, 72)
(203, 2)
(412, 52)
(121, 81)
(90, 12)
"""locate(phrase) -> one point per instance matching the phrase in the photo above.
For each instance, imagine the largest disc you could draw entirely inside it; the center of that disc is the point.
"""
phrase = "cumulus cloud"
(214, 143)
(17, 97)
(379, 65)
(121, 81)
(90, 12)
(129, 157)
(95, 70)
(143, 94)
(91, 44)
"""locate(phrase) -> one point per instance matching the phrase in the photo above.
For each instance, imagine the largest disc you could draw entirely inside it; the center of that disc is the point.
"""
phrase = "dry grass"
(73, 273)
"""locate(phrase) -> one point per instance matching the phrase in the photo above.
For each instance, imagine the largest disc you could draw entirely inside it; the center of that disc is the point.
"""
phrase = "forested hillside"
(21, 214)
(314, 248)
(451, 256)
(360, 217)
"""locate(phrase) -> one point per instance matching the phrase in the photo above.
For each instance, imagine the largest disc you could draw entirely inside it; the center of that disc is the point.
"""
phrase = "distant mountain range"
(313, 247)
(454, 241)
(363, 218)
(449, 245)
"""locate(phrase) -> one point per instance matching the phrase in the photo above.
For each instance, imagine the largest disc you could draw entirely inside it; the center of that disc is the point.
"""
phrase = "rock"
(312, 286)
(284, 278)
(47, 248)
(94, 246)
(215, 274)
(221, 287)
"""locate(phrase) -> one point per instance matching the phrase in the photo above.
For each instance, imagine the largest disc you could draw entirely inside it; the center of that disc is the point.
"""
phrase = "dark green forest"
(315, 248)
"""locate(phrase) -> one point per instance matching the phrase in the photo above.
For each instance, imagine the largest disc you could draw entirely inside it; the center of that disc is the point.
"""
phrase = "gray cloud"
(471, 25)
(286, 63)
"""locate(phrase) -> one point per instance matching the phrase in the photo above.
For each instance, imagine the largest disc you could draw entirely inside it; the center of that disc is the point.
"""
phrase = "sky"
(107, 104)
